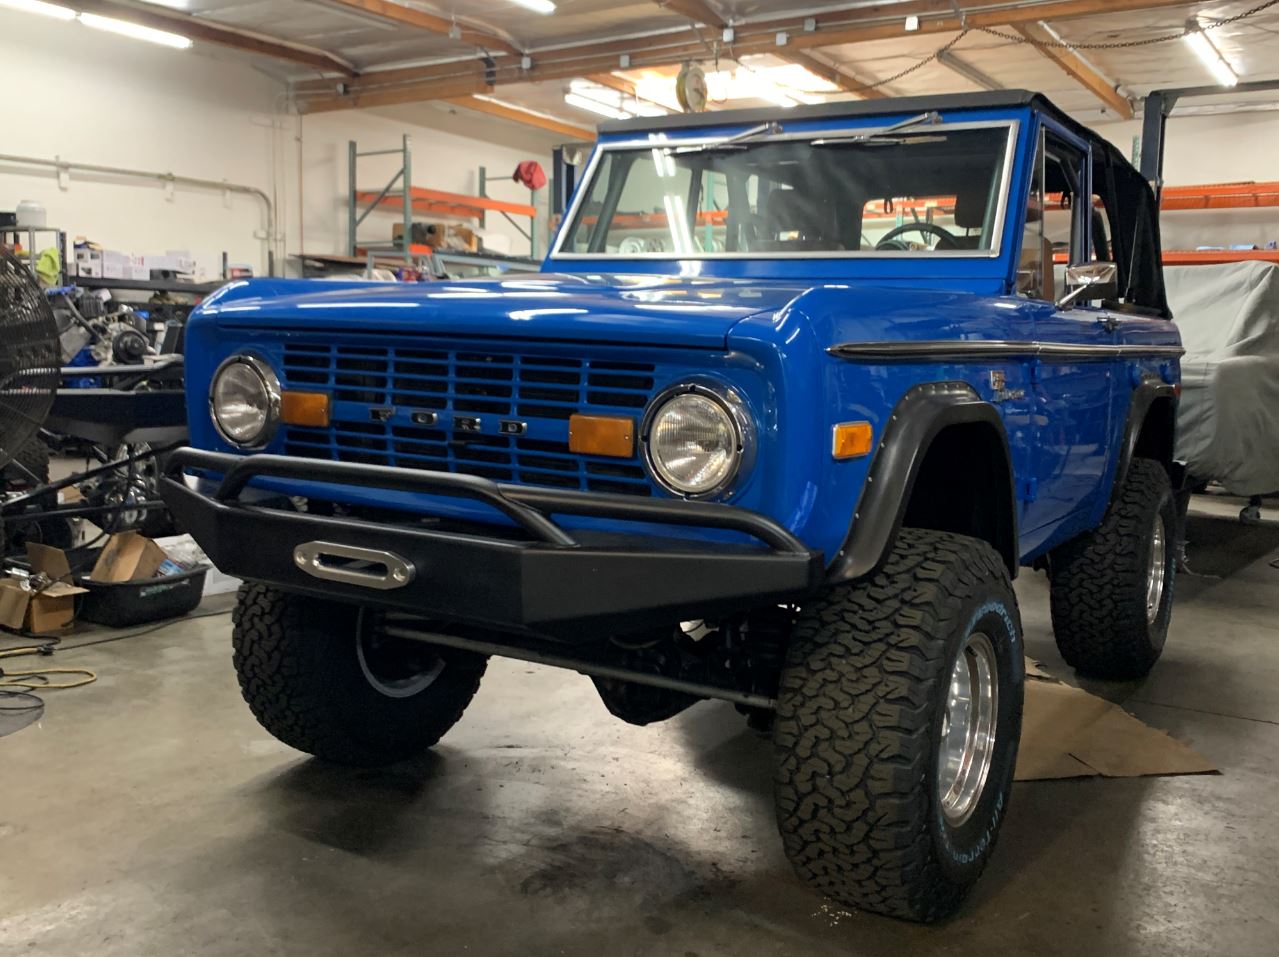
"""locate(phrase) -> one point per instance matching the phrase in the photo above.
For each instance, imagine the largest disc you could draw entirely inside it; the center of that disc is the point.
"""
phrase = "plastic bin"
(121, 604)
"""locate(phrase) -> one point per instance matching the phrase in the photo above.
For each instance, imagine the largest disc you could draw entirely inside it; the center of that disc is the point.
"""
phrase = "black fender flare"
(921, 414)
(1150, 389)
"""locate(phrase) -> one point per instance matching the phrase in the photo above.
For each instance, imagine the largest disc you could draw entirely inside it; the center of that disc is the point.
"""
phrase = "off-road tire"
(300, 673)
(1098, 592)
(859, 722)
(32, 456)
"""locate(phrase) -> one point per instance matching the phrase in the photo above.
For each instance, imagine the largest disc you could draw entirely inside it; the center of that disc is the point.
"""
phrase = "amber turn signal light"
(852, 439)
(601, 435)
(305, 408)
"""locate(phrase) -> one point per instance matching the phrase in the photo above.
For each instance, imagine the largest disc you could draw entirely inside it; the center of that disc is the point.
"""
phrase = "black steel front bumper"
(542, 579)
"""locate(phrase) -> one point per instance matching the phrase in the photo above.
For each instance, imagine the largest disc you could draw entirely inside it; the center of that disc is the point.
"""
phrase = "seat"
(795, 221)
(970, 213)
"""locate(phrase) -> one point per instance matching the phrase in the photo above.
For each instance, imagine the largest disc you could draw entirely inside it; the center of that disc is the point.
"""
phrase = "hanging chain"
(1127, 44)
(1061, 44)
(945, 48)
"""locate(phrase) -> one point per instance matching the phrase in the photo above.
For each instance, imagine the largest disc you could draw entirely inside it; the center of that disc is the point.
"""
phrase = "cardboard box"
(128, 556)
(174, 262)
(88, 262)
(14, 600)
(424, 233)
(53, 608)
(183, 261)
(48, 609)
(463, 237)
(117, 265)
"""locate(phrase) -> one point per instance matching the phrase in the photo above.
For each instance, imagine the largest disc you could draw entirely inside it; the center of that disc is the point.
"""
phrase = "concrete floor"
(147, 814)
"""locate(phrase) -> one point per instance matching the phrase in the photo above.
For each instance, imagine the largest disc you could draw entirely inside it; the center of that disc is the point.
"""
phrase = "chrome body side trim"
(974, 350)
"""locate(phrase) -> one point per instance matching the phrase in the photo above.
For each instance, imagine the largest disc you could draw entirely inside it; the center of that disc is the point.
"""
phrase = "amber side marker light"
(304, 408)
(851, 440)
(601, 435)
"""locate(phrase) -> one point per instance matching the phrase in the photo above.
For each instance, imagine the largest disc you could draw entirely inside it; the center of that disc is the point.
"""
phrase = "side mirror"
(1090, 281)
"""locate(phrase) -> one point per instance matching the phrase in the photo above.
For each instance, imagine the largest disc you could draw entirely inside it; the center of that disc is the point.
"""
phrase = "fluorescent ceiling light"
(537, 6)
(593, 106)
(784, 86)
(38, 6)
(127, 29)
(1207, 51)
(968, 71)
(609, 102)
(640, 108)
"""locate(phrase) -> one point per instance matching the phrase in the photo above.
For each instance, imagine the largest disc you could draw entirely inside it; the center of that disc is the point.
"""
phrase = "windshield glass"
(918, 192)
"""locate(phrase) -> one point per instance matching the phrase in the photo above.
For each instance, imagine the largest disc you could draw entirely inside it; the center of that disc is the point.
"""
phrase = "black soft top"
(992, 100)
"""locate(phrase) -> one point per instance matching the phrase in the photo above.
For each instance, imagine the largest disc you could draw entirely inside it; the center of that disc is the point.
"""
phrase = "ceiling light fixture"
(126, 29)
(38, 6)
(593, 106)
(616, 103)
(968, 71)
(782, 86)
(1207, 51)
(537, 6)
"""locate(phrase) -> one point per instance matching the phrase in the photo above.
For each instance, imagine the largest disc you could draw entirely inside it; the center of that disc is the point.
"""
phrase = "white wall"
(92, 97)
(1218, 148)
(448, 148)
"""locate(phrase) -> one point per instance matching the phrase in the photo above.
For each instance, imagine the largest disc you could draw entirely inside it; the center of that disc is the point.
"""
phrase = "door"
(1074, 373)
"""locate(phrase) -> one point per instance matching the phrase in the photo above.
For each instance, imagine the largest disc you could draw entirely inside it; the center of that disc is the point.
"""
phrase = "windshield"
(920, 192)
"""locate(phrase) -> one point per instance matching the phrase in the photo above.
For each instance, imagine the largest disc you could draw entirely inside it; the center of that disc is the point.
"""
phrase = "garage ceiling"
(392, 53)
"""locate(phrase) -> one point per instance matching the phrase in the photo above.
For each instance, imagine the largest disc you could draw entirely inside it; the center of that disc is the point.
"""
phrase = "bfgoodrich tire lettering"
(303, 677)
(1100, 581)
(863, 698)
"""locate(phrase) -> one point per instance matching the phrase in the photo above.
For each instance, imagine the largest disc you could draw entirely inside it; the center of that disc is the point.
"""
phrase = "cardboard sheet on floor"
(1069, 733)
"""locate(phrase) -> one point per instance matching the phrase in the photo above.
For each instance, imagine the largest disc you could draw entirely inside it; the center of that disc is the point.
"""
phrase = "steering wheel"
(945, 239)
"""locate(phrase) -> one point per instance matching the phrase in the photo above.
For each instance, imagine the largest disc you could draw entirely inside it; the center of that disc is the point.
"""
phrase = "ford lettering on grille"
(498, 414)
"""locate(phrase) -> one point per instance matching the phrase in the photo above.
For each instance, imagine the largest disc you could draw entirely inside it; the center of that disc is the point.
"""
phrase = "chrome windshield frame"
(588, 177)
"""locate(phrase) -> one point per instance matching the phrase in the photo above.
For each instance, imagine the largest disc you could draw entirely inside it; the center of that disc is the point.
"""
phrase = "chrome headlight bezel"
(742, 424)
(270, 383)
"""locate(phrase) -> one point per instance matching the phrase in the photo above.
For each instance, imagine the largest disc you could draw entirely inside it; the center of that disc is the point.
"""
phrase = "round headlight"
(245, 400)
(694, 443)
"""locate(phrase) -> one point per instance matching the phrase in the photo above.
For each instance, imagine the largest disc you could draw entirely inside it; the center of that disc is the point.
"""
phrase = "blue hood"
(643, 310)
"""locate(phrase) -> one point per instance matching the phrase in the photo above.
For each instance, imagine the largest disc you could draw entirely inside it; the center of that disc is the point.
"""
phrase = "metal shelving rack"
(33, 254)
(399, 194)
(403, 178)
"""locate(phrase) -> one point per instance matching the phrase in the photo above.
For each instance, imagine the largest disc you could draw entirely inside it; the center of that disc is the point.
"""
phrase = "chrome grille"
(399, 405)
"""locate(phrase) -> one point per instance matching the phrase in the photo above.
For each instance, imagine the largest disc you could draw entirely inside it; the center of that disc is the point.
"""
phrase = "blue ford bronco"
(794, 396)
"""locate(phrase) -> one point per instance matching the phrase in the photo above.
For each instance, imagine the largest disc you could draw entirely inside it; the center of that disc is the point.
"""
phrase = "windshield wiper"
(735, 141)
(881, 137)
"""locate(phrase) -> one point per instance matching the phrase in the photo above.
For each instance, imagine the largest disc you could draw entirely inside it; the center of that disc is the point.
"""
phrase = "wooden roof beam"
(413, 17)
(857, 25)
(206, 31)
(396, 96)
(865, 24)
(526, 117)
(698, 10)
(1076, 67)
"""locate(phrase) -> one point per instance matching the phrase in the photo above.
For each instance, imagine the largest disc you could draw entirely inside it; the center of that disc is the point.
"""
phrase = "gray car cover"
(1228, 423)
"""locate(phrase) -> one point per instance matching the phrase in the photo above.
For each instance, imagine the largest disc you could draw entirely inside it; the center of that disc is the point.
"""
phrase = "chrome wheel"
(396, 667)
(968, 729)
(1158, 571)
